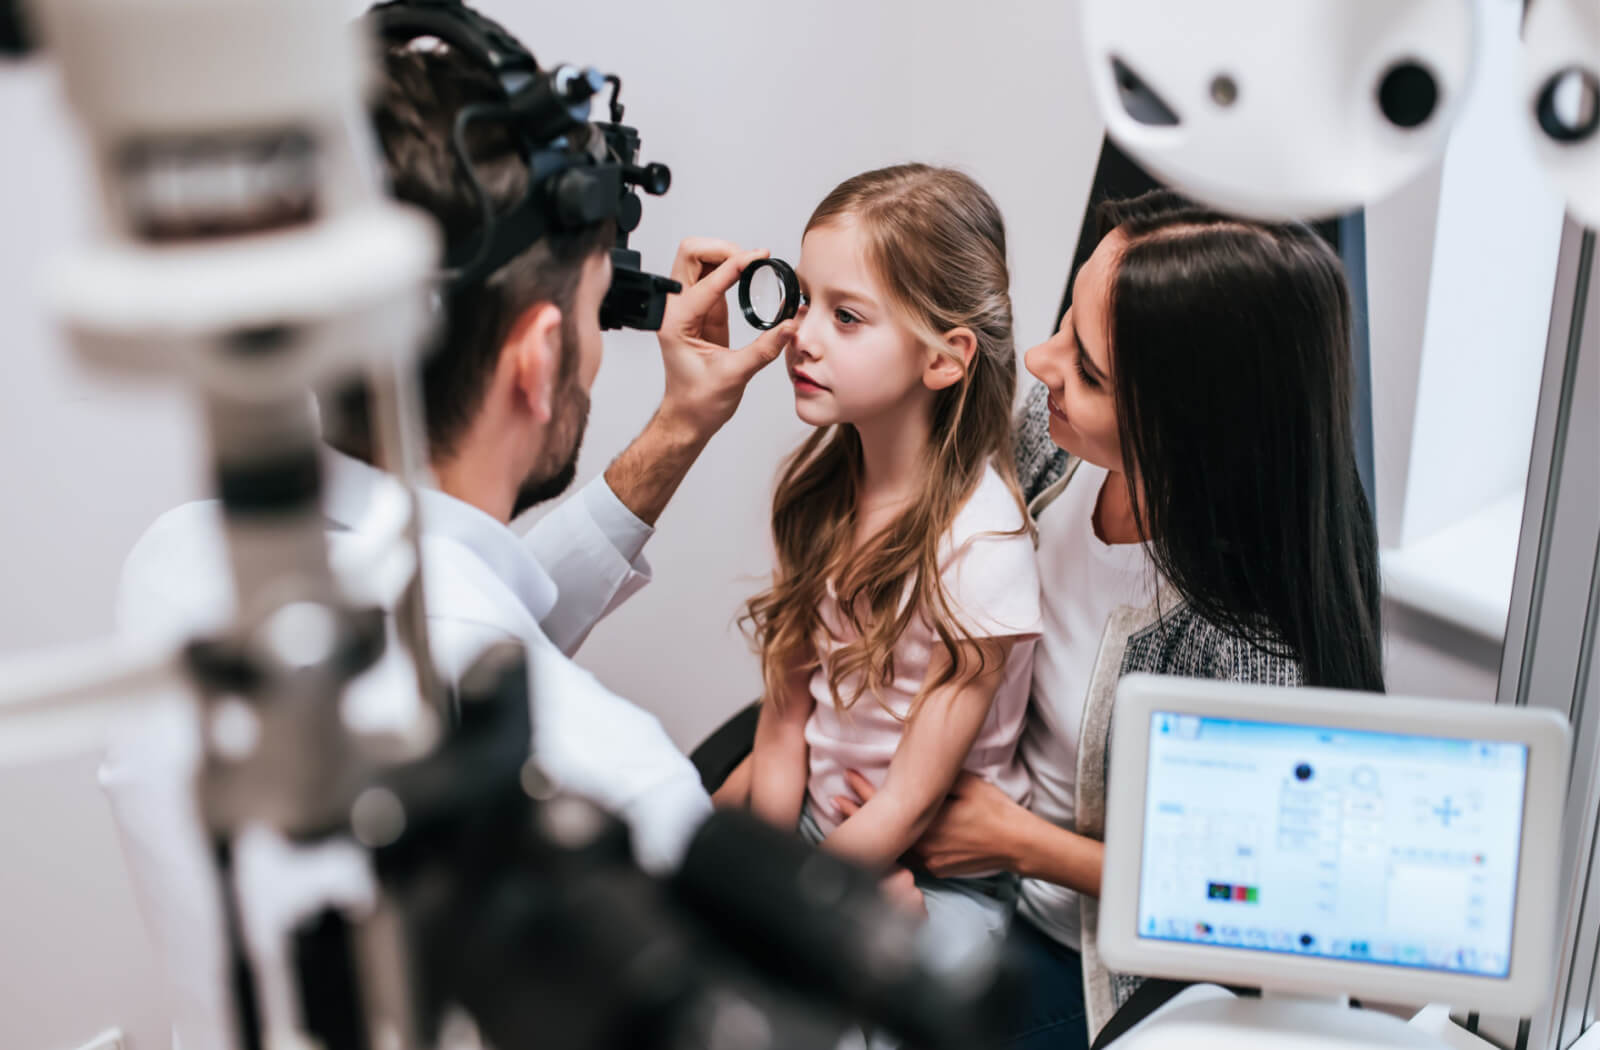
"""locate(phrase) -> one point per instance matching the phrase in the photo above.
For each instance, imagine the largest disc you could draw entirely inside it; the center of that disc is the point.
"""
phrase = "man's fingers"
(765, 349)
(701, 295)
(696, 253)
(847, 807)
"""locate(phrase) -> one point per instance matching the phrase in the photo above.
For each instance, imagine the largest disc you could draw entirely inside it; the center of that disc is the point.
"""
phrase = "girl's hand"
(735, 791)
(902, 890)
(970, 834)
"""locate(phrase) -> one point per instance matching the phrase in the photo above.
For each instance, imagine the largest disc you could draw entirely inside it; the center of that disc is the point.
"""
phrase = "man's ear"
(948, 364)
(532, 356)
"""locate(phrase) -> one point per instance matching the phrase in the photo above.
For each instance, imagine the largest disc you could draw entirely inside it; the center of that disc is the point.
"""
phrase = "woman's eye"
(805, 300)
(845, 317)
(1088, 380)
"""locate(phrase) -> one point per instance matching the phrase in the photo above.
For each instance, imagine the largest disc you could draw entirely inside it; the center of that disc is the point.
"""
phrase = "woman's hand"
(971, 834)
(704, 378)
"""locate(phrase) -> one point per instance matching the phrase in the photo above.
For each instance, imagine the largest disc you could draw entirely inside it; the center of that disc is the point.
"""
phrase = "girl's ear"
(948, 364)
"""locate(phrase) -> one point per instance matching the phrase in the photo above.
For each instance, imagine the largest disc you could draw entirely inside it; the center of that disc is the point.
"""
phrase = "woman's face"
(1075, 364)
(851, 360)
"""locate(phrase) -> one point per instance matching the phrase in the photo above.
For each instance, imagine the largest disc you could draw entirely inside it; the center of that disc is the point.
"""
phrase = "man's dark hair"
(423, 85)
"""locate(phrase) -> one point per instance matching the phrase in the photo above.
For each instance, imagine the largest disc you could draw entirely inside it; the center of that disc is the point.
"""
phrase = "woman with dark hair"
(1189, 461)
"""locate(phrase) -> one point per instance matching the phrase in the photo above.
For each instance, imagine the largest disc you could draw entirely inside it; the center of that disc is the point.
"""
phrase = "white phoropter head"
(1299, 110)
(244, 240)
(1327, 843)
(1561, 93)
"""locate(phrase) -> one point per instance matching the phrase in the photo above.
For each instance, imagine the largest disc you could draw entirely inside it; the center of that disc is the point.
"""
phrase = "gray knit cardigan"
(1166, 637)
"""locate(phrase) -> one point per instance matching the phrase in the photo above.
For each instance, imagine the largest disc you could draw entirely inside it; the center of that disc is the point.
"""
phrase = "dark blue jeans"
(1052, 1015)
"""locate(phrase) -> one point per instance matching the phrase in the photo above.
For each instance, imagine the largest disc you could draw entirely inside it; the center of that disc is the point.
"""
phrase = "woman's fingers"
(860, 785)
(965, 782)
(849, 807)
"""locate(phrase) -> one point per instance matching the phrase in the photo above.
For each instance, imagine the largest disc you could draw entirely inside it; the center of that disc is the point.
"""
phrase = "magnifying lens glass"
(769, 293)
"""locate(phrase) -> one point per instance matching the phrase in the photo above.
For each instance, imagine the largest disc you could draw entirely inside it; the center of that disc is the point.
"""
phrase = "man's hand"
(705, 378)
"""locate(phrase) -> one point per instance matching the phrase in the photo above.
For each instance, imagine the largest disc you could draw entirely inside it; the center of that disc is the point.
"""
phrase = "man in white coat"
(506, 398)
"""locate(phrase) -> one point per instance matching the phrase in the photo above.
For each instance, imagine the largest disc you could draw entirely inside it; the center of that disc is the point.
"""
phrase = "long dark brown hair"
(1230, 344)
(936, 243)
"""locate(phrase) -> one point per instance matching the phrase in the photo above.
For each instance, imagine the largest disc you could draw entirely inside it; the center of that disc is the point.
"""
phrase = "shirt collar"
(348, 492)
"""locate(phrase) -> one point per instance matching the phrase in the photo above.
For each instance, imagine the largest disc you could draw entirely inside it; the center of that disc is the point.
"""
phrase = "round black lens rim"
(1552, 123)
(791, 293)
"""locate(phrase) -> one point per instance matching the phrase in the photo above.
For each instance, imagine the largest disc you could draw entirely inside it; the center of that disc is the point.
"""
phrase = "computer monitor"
(1324, 842)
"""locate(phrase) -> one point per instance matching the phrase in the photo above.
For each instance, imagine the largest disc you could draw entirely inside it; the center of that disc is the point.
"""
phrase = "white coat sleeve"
(591, 545)
(173, 585)
(594, 743)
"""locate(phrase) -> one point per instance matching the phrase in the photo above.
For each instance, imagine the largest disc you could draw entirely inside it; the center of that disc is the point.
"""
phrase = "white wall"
(760, 110)
(74, 956)
(1400, 238)
(86, 464)
(1488, 308)
(1461, 267)
(759, 117)
(85, 467)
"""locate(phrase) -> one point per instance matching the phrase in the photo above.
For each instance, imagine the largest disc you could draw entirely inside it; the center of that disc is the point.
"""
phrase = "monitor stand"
(1280, 1022)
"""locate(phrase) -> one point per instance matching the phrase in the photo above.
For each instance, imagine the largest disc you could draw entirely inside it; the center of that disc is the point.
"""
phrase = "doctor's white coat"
(484, 584)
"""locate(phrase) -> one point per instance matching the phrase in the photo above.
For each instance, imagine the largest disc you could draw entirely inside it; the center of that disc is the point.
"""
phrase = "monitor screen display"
(1382, 848)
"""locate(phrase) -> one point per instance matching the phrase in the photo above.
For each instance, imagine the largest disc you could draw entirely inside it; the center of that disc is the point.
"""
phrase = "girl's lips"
(1054, 410)
(805, 383)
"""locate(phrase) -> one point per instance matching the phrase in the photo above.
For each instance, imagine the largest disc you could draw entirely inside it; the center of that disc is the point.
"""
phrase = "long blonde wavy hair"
(936, 243)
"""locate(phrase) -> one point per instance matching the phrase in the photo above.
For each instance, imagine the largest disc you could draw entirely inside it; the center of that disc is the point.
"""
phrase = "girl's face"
(1075, 364)
(851, 360)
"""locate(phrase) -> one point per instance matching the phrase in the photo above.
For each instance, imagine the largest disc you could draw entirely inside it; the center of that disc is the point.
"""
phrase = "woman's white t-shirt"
(992, 584)
(1083, 580)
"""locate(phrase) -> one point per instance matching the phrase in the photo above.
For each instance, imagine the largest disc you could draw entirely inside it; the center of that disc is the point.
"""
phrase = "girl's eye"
(846, 318)
(805, 300)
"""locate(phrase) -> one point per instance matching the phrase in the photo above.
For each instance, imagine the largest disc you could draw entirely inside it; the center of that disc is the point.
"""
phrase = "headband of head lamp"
(579, 172)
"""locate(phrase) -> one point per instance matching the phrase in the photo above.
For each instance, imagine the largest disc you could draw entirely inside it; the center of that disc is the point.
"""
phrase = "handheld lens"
(769, 293)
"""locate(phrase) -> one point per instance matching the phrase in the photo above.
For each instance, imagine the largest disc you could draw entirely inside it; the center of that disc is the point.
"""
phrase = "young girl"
(897, 637)
(1192, 470)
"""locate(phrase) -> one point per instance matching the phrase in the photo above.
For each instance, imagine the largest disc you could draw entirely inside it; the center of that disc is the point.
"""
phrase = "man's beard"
(558, 465)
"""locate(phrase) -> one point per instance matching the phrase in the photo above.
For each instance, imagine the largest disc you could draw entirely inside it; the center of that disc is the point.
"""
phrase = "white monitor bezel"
(1543, 732)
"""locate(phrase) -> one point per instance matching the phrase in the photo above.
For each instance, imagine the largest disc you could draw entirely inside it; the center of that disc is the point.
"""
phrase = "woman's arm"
(925, 764)
(1041, 850)
(779, 764)
(980, 829)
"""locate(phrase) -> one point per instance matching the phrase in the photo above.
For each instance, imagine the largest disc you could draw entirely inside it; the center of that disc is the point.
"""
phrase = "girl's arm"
(779, 765)
(735, 791)
(925, 765)
(981, 829)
